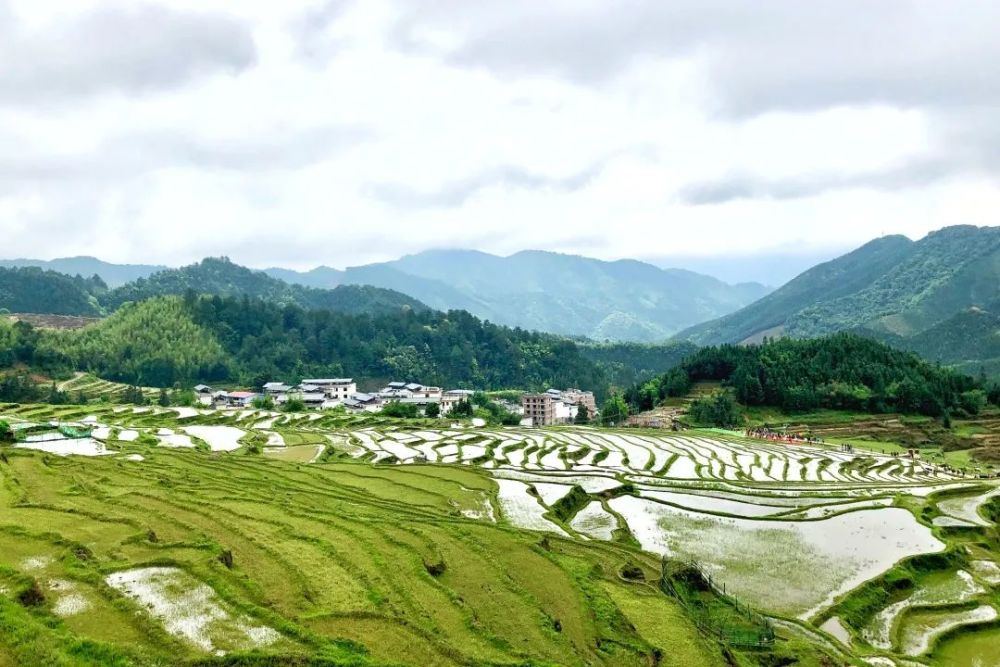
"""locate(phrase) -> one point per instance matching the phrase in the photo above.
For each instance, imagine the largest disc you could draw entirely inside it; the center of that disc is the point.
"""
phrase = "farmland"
(217, 536)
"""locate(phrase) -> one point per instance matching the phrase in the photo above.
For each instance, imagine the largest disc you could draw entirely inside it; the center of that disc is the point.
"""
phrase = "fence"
(728, 620)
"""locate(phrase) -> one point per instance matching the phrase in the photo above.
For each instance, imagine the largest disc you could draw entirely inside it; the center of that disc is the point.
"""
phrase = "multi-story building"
(557, 407)
(581, 398)
(540, 408)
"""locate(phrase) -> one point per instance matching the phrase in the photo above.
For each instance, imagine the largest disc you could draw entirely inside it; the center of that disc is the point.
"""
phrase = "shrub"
(402, 410)
(718, 410)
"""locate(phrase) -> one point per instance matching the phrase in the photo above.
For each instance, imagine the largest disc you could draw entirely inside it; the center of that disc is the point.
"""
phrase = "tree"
(433, 410)
(57, 397)
(462, 409)
(717, 410)
(6, 434)
(294, 404)
(163, 400)
(973, 401)
(614, 410)
(183, 397)
(401, 410)
(262, 402)
(133, 394)
(582, 415)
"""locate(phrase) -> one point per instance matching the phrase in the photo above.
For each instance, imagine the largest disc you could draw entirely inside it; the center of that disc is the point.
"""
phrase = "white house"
(336, 389)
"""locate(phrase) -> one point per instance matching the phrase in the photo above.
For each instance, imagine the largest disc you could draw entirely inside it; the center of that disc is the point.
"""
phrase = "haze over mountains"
(567, 294)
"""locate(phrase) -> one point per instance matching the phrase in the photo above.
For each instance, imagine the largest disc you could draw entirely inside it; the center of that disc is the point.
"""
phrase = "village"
(546, 408)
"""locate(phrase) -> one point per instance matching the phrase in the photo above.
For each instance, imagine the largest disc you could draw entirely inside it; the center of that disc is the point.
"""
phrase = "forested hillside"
(892, 288)
(34, 290)
(820, 284)
(969, 340)
(629, 363)
(170, 340)
(842, 371)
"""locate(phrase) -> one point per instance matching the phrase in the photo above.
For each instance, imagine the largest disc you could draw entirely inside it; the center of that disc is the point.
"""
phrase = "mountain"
(890, 286)
(34, 290)
(114, 275)
(545, 291)
(219, 276)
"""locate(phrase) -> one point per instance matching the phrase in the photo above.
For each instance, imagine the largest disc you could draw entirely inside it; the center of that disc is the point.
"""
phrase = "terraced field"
(94, 388)
(368, 539)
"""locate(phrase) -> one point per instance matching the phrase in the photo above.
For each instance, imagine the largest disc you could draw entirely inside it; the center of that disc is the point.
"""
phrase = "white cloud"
(345, 132)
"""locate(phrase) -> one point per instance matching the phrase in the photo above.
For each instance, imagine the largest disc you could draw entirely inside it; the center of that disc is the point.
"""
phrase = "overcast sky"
(344, 132)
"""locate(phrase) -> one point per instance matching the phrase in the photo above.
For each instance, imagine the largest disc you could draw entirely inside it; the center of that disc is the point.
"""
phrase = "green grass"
(333, 556)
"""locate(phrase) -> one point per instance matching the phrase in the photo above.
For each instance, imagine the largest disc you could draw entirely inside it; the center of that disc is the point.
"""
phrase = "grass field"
(343, 561)
(251, 537)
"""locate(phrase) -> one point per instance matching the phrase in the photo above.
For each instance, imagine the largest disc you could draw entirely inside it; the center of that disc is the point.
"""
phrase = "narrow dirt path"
(76, 376)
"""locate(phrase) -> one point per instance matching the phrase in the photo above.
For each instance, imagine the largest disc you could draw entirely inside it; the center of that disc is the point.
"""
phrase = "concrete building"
(581, 398)
(539, 408)
(557, 407)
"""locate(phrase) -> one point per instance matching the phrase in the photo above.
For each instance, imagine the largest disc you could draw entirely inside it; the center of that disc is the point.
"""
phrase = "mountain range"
(546, 291)
(938, 296)
(543, 291)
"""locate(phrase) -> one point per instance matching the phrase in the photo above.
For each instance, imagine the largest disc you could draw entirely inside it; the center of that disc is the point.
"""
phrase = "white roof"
(329, 381)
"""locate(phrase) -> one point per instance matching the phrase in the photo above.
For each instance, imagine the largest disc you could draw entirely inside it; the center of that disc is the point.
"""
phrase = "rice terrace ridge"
(499, 334)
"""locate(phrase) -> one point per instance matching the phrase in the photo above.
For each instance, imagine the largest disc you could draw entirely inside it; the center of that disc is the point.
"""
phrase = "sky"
(737, 136)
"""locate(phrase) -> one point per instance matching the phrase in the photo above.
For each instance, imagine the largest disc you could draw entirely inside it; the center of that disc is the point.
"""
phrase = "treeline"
(842, 371)
(241, 341)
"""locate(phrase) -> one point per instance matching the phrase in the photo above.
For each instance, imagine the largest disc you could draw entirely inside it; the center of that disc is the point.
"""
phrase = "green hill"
(167, 340)
(34, 290)
(842, 372)
(154, 343)
(892, 287)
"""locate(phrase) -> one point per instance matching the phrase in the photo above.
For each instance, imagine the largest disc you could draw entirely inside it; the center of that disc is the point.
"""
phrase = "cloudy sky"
(348, 131)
